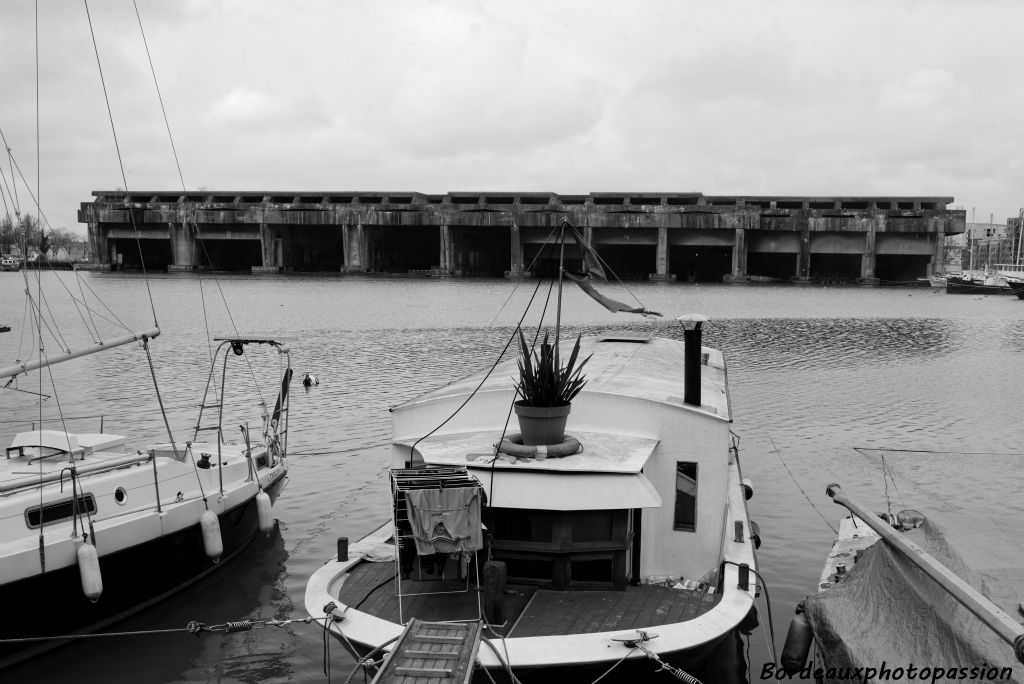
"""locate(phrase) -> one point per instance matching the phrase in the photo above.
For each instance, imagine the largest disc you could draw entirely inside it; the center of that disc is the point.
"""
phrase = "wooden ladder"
(434, 651)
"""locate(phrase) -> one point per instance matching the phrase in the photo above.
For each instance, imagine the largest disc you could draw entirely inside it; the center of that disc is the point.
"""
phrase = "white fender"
(211, 535)
(263, 512)
(89, 569)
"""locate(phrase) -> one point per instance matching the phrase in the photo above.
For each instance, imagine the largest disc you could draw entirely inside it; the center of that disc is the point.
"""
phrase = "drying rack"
(427, 477)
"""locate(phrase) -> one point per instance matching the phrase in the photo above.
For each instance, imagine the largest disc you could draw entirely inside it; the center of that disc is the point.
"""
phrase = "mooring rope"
(822, 515)
(768, 601)
(193, 627)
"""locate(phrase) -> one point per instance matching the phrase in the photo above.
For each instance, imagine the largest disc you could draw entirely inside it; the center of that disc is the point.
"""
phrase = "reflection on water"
(814, 372)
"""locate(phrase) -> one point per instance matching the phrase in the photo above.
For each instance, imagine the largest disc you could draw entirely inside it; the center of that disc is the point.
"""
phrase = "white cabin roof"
(651, 370)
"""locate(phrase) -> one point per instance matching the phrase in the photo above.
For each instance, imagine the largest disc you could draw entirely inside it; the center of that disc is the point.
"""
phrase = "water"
(814, 373)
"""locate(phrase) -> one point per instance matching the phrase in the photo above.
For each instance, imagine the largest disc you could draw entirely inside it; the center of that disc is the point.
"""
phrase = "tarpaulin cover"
(888, 611)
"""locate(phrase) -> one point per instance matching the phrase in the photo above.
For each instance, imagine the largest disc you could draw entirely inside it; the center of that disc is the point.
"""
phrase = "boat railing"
(54, 476)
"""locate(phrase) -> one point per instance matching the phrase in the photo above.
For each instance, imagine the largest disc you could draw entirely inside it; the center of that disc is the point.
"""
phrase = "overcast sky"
(768, 98)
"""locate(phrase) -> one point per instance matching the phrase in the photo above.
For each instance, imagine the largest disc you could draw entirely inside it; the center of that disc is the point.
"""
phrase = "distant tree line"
(23, 234)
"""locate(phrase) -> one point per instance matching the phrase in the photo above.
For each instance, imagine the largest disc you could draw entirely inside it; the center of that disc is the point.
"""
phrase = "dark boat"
(963, 283)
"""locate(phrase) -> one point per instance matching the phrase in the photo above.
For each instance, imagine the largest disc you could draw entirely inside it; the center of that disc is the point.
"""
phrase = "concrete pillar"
(803, 259)
(661, 260)
(868, 261)
(270, 251)
(938, 261)
(99, 251)
(183, 246)
(739, 257)
(515, 265)
(357, 253)
(447, 250)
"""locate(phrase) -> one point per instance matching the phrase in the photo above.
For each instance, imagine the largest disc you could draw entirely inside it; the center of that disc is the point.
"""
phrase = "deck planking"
(370, 587)
(582, 612)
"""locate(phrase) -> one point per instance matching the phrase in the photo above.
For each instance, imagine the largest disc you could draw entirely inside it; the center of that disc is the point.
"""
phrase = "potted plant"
(546, 390)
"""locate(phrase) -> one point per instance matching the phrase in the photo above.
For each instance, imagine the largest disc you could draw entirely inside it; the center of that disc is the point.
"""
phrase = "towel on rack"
(445, 520)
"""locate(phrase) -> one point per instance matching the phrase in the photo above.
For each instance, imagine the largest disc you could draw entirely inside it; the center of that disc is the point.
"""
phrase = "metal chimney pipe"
(691, 365)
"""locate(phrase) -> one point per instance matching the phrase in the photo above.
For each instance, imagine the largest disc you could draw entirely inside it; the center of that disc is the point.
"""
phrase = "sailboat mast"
(1020, 236)
(561, 266)
(970, 243)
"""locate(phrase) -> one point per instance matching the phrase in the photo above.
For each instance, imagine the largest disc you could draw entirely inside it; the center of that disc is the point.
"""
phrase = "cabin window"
(686, 497)
(519, 524)
(591, 526)
(57, 511)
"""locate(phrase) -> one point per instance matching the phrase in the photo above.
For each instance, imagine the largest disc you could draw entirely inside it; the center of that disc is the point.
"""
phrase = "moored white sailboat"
(92, 528)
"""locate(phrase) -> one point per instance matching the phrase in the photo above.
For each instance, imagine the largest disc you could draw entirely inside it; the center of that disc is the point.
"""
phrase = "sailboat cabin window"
(686, 497)
(57, 511)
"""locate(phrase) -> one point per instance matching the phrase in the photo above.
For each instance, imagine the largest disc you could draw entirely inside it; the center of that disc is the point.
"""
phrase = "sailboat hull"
(136, 578)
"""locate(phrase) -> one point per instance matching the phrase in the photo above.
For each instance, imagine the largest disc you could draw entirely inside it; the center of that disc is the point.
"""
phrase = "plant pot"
(542, 424)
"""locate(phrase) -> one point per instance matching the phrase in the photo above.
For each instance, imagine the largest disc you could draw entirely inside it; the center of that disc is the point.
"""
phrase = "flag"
(592, 269)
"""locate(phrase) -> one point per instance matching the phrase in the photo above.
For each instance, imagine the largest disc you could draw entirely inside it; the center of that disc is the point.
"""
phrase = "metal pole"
(558, 311)
(44, 360)
(992, 615)
(156, 483)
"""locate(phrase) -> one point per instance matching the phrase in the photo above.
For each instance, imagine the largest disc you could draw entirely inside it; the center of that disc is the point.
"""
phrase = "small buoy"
(310, 380)
(89, 569)
(798, 644)
(748, 489)
(263, 513)
(212, 542)
(755, 534)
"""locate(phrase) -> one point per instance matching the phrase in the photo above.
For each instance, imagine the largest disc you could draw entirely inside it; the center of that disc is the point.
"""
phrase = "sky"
(787, 97)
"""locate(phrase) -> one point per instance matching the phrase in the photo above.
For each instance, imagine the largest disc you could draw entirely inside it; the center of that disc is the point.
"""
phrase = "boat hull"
(961, 286)
(135, 578)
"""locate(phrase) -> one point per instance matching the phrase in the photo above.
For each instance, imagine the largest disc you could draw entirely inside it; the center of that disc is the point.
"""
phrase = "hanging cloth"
(445, 520)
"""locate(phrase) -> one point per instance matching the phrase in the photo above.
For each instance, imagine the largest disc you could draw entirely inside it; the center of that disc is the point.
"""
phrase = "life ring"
(513, 445)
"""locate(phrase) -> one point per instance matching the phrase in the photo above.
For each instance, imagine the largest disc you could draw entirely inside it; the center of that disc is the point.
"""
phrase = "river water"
(819, 377)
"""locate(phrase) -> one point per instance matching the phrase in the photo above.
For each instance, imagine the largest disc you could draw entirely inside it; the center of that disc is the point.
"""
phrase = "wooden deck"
(530, 611)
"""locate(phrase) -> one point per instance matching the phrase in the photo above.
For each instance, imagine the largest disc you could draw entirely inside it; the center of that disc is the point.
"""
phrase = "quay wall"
(656, 236)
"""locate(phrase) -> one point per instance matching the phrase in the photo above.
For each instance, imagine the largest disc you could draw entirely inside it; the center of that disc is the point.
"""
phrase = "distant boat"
(9, 264)
(1016, 286)
(934, 280)
(974, 282)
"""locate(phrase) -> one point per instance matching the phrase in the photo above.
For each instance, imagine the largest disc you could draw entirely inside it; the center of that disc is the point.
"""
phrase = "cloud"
(792, 97)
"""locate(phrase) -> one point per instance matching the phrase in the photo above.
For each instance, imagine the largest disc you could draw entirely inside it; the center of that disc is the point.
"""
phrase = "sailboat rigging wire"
(51, 320)
(412, 449)
(887, 473)
(185, 222)
(28, 188)
(820, 514)
(10, 162)
(160, 97)
(863, 451)
(108, 309)
(528, 269)
(3, 193)
(94, 332)
(120, 161)
(160, 401)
